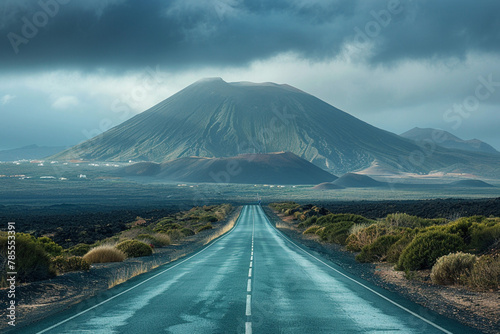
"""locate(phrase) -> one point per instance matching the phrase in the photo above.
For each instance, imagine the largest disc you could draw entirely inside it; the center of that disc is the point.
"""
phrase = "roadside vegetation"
(42, 258)
(104, 254)
(463, 251)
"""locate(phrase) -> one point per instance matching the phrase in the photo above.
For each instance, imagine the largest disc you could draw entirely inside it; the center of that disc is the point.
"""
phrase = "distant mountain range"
(31, 152)
(447, 140)
(215, 119)
(353, 180)
(276, 168)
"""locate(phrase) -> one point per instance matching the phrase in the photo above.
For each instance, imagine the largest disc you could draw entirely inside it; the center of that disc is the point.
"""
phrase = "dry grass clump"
(453, 268)
(481, 273)
(104, 254)
(361, 235)
(486, 273)
(162, 239)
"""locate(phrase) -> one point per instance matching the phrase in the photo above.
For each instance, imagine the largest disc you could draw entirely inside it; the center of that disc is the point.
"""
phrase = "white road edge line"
(359, 283)
(141, 283)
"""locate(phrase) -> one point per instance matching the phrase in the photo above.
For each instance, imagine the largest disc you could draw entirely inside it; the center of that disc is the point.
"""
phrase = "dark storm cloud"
(439, 29)
(127, 34)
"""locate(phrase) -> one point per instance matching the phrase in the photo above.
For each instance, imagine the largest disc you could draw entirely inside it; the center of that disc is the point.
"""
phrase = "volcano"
(215, 119)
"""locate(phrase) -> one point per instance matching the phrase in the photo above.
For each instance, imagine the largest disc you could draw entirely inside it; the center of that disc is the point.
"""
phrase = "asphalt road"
(251, 280)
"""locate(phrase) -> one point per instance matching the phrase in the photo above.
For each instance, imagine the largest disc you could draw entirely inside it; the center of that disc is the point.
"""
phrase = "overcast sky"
(70, 69)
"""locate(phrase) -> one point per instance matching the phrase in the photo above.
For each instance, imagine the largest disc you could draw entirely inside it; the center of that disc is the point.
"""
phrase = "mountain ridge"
(213, 118)
(447, 140)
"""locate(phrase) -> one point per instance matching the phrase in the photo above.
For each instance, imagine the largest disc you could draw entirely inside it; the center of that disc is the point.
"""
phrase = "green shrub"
(282, 207)
(66, 264)
(221, 211)
(426, 248)
(32, 263)
(453, 268)
(204, 228)
(397, 220)
(486, 273)
(187, 232)
(394, 252)
(134, 248)
(311, 230)
(144, 236)
(166, 220)
(483, 236)
(300, 216)
(209, 218)
(50, 246)
(437, 221)
(342, 217)
(336, 233)
(155, 239)
(161, 239)
(175, 234)
(78, 250)
(104, 254)
(308, 222)
(320, 230)
(404, 220)
(360, 237)
(462, 228)
(377, 251)
(166, 227)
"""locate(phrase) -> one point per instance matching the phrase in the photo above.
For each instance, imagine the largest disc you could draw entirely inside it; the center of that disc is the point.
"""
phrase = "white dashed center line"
(248, 310)
(248, 328)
